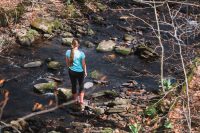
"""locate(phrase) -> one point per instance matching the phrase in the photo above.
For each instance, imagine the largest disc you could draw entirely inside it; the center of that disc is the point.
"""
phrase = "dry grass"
(9, 4)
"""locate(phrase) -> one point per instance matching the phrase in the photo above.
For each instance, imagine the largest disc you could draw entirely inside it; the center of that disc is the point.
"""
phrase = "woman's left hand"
(85, 74)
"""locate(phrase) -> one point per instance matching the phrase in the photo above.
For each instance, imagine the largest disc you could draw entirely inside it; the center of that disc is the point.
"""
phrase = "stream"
(20, 81)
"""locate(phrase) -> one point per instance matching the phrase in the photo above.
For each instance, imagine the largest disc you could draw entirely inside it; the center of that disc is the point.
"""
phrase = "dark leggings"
(74, 76)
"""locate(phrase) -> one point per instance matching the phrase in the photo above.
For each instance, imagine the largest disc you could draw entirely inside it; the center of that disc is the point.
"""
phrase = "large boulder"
(45, 87)
(46, 26)
(106, 46)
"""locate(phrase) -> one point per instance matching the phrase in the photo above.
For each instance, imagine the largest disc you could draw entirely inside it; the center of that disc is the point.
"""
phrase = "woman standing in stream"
(75, 60)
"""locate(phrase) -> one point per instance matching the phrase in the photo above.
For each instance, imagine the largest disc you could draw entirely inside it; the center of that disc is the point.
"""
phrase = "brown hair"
(75, 43)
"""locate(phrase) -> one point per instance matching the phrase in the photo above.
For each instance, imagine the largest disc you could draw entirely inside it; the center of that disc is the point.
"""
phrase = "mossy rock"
(70, 11)
(67, 41)
(46, 25)
(123, 50)
(64, 94)
(43, 25)
(111, 93)
(101, 6)
(146, 52)
(98, 19)
(106, 46)
(128, 37)
(28, 38)
(57, 24)
(96, 74)
(90, 32)
(107, 130)
(55, 65)
(45, 87)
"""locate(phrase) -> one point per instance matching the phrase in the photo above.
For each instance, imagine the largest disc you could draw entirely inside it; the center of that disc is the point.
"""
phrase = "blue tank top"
(77, 63)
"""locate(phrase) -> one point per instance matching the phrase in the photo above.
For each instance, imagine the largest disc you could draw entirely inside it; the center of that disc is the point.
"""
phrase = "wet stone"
(54, 65)
(128, 37)
(98, 111)
(54, 132)
(96, 74)
(121, 101)
(116, 110)
(33, 64)
(67, 41)
(45, 87)
(123, 50)
(146, 52)
(106, 46)
(67, 34)
(89, 44)
(47, 35)
(64, 93)
(80, 124)
(88, 85)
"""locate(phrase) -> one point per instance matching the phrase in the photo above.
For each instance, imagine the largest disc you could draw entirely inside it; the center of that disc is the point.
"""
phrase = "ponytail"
(71, 59)
(75, 43)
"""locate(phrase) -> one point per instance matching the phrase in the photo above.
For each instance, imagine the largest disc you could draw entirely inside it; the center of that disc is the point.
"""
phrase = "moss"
(43, 25)
(95, 74)
(123, 50)
(45, 87)
(57, 24)
(150, 111)
(70, 11)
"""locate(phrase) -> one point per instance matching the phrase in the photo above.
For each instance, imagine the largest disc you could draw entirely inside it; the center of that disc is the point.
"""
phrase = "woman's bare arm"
(67, 61)
(84, 67)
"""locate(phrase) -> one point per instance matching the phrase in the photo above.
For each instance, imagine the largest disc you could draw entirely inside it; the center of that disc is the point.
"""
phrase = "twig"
(162, 48)
(9, 125)
(6, 98)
